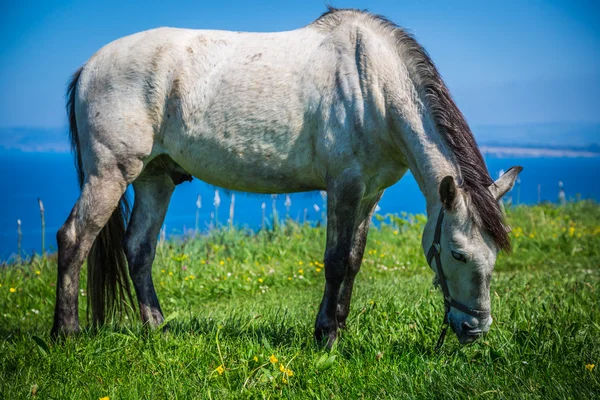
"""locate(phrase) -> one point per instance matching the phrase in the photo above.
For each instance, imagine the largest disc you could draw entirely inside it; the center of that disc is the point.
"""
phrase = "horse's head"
(467, 253)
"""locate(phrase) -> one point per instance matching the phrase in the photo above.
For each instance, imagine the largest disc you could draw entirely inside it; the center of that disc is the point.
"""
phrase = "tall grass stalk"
(41, 204)
(217, 203)
(198, 207)
(287, 204)
(231, 210)
(275, 215)
(19, 238)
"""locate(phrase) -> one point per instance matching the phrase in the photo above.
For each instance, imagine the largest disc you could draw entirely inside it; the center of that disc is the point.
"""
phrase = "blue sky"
(506, 62)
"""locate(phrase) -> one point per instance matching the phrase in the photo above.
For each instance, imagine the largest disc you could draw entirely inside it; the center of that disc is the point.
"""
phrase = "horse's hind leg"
(356, 255)
(344, 197)
(99, 198)
(153, 191)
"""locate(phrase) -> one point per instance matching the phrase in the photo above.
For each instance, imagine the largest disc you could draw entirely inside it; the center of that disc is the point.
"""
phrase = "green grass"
(236, 299)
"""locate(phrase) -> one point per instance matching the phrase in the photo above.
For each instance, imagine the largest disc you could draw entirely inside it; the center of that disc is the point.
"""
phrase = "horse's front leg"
(344, 198)
(356, 255)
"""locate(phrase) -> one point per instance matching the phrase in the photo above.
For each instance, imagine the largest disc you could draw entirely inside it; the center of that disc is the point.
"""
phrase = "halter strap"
(434, 253)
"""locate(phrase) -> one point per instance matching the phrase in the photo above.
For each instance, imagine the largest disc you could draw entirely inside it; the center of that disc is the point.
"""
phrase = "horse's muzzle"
(469, 329)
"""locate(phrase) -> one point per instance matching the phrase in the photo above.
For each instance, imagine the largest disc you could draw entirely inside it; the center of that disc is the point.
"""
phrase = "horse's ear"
(448, 192)
(505, 182)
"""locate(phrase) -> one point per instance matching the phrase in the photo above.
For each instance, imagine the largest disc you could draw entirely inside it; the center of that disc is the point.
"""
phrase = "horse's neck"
(428, 157)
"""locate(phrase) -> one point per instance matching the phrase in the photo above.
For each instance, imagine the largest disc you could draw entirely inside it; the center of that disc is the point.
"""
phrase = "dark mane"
(449, 121)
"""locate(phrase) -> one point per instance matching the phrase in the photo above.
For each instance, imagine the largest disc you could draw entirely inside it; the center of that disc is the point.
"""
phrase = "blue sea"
(25, 177)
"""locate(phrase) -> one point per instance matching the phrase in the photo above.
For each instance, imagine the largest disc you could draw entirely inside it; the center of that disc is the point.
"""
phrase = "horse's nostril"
(467, 329)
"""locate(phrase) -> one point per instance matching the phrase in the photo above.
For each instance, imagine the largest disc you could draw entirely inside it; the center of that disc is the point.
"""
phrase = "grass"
(242, 306)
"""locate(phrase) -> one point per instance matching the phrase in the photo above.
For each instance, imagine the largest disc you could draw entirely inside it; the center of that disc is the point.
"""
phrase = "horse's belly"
(249, 166)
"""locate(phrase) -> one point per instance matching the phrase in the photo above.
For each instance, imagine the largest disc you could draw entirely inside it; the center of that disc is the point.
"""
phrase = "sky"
(506, 62)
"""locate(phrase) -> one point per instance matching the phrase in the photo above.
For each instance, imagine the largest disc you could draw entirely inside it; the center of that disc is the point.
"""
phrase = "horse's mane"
(449, 121)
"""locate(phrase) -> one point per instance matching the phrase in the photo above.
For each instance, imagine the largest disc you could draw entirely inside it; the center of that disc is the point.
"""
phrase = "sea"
(27, 177)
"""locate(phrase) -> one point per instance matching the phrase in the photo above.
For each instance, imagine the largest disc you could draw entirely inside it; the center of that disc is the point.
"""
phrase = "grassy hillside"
(242, 306)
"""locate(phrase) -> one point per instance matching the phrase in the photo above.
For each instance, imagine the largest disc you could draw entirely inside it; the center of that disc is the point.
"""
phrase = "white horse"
(346, 104)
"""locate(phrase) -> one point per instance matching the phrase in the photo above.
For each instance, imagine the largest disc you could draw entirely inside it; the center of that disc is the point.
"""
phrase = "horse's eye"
(459, 256)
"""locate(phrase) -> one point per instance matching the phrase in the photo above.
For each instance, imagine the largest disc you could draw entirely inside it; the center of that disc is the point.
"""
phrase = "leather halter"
(434, 253)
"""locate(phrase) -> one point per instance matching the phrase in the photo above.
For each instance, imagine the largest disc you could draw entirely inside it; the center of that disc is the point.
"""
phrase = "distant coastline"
(514, 151)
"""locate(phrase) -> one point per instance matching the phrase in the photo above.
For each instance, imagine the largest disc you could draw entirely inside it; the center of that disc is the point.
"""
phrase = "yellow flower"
(318, 270)
(285, 371)
(531, 235)
(273, 359)
(289, 278)
(255, 359)
(220, 369)
(170, 273)
(300, 271)
(311, 264)
(186, 278)
(260, 280)
(105, 398)
(395, 232)
(571, 231)
(202, 262)
(300, 263)
(222, 262)
(12, 290)
(181, 257)
(38, 272)
(284, 380)
(590, 367)
(192, 277)
(162, 270)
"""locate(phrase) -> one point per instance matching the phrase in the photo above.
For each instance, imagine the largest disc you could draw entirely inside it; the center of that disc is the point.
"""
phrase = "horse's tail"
(107, 282)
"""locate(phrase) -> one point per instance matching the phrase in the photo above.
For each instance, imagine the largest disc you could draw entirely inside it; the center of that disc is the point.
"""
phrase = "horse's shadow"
(281, 334)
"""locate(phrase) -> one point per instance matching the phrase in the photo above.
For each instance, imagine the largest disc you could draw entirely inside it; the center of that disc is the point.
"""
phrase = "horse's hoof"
(325, 337)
